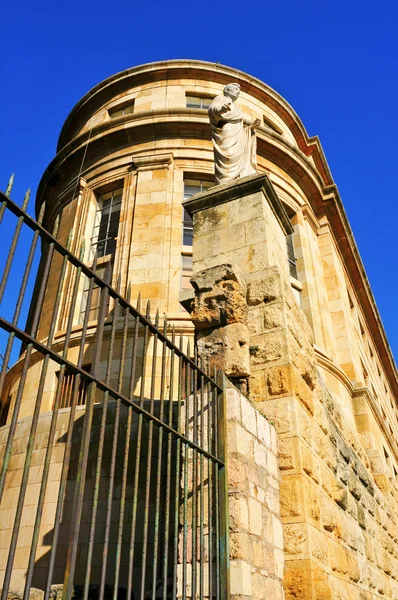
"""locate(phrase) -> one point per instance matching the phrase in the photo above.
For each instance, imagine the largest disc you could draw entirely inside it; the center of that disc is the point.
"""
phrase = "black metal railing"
(113, 479)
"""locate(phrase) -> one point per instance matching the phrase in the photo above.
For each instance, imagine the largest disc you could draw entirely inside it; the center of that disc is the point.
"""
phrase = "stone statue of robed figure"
(234, 137)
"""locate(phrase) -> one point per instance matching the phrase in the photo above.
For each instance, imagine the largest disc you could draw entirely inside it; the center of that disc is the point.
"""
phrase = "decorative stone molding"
(152, 162)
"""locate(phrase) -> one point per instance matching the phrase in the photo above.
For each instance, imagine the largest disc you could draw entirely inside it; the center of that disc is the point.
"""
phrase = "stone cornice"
(152, 162)
(238, 188)
(324, 199)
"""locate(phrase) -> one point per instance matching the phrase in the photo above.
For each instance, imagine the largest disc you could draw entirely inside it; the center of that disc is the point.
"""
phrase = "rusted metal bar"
(159, 470)
(27, 357)
(201, 494)
(13, 246)
(78, 372)
(18, 306)
(194, 483)
(101, 442)
(177, 493)
(136, 472)
(186, 493)
(32, 437)
(125, 458)
(223, 494)
(149, 465)
(84, 447)
(50, 442)
(175, 502)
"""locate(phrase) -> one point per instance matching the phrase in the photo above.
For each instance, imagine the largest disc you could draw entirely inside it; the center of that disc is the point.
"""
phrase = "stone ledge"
(237, 189)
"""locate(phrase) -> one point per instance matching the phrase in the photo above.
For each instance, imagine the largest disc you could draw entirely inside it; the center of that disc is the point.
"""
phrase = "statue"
(234, 137)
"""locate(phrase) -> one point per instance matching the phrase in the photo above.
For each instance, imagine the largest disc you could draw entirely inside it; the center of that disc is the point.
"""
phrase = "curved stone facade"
(136, 145)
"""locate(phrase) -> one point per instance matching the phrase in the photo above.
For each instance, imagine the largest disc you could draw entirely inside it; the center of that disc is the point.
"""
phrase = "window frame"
(99, 213)
(204, 98)
(121, 108)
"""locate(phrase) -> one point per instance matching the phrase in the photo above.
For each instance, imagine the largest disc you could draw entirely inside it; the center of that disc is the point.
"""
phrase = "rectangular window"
(186, 271)
(95, 296)
(198, 102)
(121, 110)
(106, 224)
(192, 187)
(66, 397)
(291, 256)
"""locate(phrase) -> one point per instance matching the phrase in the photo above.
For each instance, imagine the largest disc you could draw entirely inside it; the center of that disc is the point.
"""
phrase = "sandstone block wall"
(256, 536)
(340, 531)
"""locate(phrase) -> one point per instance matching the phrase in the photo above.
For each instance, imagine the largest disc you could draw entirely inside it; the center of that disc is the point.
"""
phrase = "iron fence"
(113, 478)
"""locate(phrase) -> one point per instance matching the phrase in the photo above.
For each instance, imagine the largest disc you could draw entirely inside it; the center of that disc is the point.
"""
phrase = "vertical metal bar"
(84, 446)
(216, 490)
(50, 441)
(136, 472)
(177, 472)
(223, 485)
(97, 480)
(138, 450)
(159, 466)
(126, 454)
(7, 193)
(210, 484)
(185, 493)
(28, 352)
(13, 246)
(201, 488)
(32, 437)
(149, 463)
(194, 482)
(69, 438)
(20, 300)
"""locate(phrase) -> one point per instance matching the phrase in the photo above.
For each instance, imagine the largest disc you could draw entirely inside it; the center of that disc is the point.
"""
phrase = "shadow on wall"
(113, 525)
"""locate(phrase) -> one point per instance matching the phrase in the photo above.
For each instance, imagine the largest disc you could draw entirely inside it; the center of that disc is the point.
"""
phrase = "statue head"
(232, 90)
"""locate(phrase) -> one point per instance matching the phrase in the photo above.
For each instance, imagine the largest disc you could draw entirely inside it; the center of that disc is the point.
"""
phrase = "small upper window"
(198, 102)
(106, 225)
(121, 110)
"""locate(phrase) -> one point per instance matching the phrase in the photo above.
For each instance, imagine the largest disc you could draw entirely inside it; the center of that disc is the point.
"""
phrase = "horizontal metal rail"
(45, 235)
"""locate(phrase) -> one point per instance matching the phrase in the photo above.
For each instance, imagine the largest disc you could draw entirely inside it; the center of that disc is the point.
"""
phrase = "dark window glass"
(291, 256)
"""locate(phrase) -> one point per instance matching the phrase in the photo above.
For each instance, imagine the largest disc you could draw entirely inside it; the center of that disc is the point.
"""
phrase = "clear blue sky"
(334, 62)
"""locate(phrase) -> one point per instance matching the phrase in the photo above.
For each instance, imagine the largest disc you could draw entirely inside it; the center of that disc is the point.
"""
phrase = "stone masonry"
(340, 531)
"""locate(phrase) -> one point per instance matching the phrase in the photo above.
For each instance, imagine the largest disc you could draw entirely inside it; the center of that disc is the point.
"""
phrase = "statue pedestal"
(242, 222)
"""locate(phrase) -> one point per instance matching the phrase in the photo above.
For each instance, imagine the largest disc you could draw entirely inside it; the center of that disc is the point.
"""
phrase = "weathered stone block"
(220, 297)
(226, 348)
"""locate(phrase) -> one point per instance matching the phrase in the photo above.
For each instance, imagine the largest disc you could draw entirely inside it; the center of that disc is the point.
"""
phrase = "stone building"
(319, 366)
